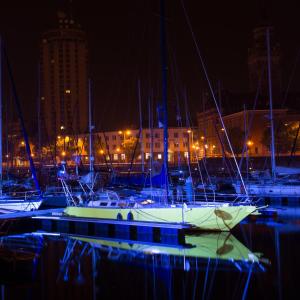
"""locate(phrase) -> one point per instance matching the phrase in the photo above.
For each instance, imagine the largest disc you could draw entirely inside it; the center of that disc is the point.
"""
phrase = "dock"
(53, 220)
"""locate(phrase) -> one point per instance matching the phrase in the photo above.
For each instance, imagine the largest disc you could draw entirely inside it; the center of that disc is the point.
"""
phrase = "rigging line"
(226, 160)
(134, 152)
(188, 137)
(175, 79)
(252, 114)
(213, 94)
(19, 111)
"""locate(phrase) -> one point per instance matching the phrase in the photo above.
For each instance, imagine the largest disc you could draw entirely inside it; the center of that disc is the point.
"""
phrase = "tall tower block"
(257, 66)
(64, 78)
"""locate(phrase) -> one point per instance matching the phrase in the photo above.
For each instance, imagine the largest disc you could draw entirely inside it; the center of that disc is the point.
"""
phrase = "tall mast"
(39, 117)
(1, 115)
(164, 90)
(91, 158)
(20, 115)
(273, 162)
(141, 126)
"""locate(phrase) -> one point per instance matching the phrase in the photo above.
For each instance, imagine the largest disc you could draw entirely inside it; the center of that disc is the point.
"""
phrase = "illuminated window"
(148, 155)
(116, 156)
(123, 156)
(159, 156)
(68, 91)
(186, 154)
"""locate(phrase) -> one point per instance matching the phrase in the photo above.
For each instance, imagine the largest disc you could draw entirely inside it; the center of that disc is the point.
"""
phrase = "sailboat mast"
(273, 161)
(1, 116)
(91, 158)
(164, 89)
(141, 126)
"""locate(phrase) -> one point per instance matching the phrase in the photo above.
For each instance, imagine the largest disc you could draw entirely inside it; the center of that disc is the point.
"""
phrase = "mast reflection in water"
(258, 261)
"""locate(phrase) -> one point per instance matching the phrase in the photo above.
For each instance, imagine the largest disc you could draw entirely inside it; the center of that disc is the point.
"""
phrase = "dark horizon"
(124, 47)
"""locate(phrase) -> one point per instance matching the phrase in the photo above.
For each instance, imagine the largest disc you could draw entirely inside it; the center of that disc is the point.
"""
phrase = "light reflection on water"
(259, 259)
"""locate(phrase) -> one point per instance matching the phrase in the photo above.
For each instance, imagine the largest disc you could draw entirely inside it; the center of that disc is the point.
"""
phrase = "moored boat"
(204, 216)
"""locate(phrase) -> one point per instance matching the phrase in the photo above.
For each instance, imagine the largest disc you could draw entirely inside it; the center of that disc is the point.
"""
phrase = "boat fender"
(130, 216)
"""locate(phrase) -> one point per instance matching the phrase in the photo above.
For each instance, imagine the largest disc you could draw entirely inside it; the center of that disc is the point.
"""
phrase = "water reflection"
(258, 261)
(204, 253)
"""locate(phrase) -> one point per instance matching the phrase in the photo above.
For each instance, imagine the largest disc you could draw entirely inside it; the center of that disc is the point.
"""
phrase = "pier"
(53, 220)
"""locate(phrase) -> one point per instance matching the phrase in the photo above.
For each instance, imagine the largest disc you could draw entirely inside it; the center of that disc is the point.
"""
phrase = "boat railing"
(26, 195)
(207, 197)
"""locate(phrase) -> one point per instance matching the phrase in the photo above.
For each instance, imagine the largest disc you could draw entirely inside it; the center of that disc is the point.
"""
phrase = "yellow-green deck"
(216, 218)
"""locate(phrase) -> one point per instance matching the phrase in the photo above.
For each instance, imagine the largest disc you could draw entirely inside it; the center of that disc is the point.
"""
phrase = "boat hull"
(206, 218)
(19, 205)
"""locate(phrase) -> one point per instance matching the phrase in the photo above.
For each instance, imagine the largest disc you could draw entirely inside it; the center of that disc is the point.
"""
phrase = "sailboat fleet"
(202, 215)
(278, 183)
(213, 216)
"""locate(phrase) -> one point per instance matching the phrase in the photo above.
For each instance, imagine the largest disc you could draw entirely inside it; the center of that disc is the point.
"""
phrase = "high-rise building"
(64, 79)
(258, 65)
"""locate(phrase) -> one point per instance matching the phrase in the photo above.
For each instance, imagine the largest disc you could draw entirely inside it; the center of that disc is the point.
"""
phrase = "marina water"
(257, 260)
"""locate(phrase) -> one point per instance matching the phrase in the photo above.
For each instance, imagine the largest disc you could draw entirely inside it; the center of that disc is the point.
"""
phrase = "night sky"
(123, 38)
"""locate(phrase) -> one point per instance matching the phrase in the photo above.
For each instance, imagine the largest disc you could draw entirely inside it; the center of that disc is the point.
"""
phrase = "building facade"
(249, 132)
(126, 146)
(64, 79)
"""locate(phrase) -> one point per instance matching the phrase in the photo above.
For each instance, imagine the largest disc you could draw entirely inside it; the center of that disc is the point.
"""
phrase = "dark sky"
(123, 38)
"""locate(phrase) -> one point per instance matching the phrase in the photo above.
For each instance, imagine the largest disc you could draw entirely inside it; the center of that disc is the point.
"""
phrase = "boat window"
(131, 204)
(113, 203)
(103, 203)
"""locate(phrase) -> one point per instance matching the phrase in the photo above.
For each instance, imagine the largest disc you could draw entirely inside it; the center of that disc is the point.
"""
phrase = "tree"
(285, 134)
(237, 138)
(129, 145)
